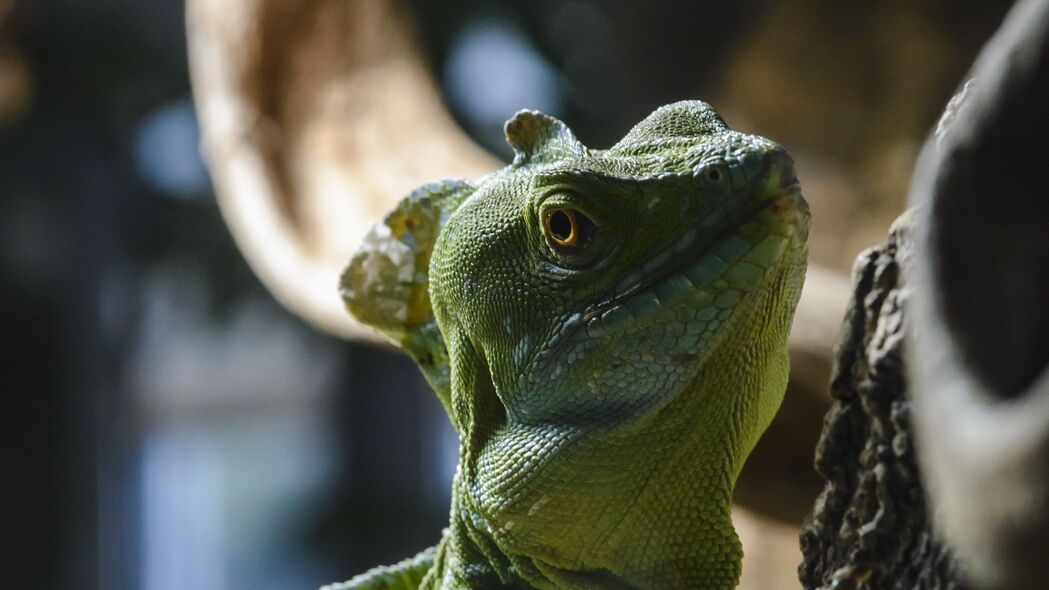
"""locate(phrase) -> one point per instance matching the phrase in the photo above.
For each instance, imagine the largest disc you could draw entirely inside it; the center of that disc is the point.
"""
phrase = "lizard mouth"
(711, 274)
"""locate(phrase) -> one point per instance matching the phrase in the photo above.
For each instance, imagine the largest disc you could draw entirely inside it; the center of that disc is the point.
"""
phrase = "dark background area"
(165, 424)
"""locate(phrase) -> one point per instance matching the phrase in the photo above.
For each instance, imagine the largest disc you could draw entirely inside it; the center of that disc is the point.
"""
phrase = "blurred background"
(166, 424)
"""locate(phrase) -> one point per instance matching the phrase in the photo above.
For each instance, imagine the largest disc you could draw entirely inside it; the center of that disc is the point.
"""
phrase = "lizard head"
(610, 327)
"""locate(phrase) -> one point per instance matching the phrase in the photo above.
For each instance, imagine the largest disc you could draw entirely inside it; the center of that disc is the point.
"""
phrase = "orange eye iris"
(573, 240)
(562, 225)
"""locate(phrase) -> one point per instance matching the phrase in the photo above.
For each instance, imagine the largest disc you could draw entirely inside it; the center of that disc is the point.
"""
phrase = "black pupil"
(560, 225)
(714, 175)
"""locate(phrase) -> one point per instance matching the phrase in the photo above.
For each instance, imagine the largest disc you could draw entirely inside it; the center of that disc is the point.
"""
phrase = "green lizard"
(607, 330)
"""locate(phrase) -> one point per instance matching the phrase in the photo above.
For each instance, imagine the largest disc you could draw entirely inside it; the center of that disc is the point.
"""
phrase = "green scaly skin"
(607, 391)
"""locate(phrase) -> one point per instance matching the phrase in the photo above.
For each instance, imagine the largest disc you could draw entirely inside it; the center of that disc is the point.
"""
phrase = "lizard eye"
(568, 228)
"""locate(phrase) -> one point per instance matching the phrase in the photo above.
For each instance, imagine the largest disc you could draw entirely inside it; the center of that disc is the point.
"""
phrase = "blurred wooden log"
(318, 115)
(16, 80)
(980, 349)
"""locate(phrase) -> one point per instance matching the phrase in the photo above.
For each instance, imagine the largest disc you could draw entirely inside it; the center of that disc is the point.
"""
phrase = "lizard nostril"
(779, 165)
(770, 173)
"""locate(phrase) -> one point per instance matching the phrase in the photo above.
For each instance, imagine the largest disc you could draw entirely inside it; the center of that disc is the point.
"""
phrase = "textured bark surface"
(871, 526)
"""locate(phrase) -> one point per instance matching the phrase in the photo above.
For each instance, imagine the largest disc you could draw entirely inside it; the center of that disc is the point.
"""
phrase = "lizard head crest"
(538, 138)
(683, 122)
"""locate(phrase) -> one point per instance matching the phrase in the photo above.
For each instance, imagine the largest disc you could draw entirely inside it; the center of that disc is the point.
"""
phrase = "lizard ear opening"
(386, 284)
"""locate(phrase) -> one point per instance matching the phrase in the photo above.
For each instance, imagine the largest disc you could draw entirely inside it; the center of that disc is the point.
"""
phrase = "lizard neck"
(620, 520)
(664, 540)
(606, 504)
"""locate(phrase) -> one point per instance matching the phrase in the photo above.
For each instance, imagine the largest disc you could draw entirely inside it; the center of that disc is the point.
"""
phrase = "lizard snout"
(771, 173)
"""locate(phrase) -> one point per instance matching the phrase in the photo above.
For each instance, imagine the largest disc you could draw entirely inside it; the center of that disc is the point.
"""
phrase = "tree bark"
(941, 385)
(871, 527)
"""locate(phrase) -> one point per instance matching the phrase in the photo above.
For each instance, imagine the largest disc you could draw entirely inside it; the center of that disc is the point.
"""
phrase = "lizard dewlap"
(607, 331)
